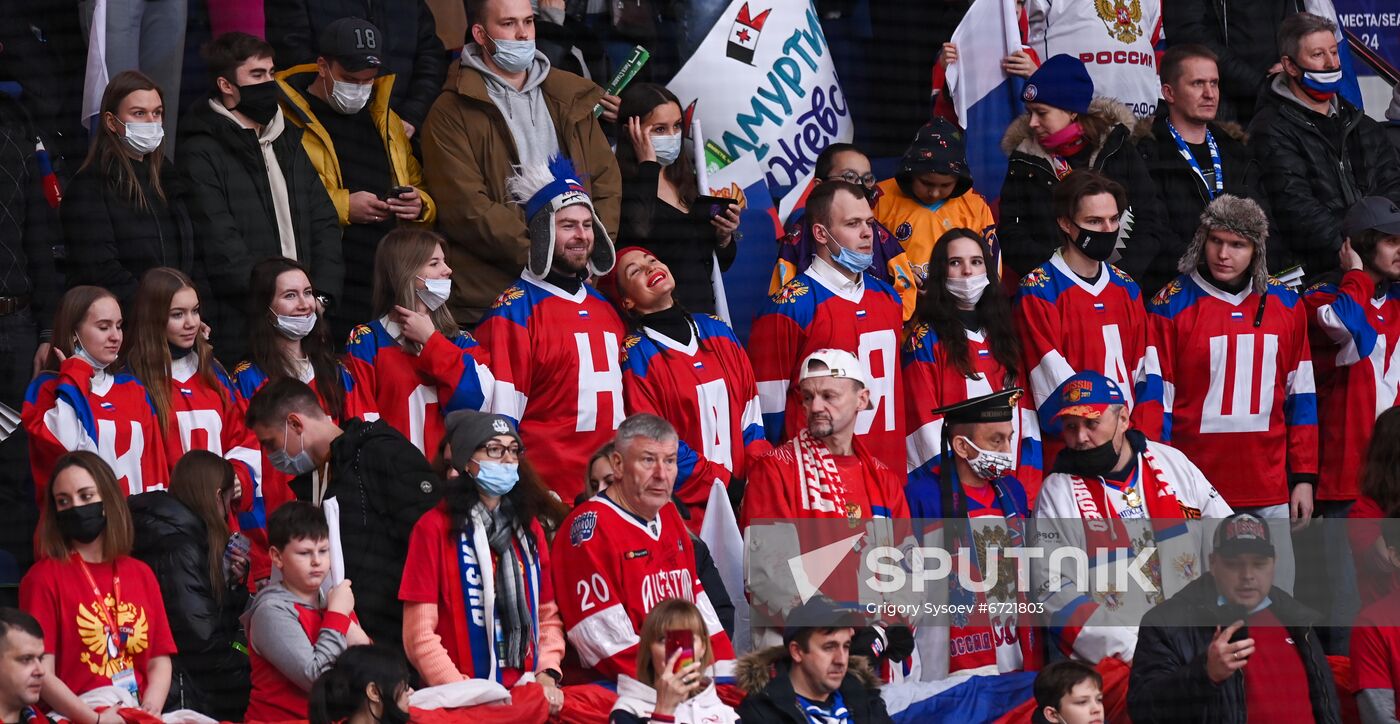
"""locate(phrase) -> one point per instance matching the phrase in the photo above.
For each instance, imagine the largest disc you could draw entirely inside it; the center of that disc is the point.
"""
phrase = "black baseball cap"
(819, 612)
(355, 43)
(1372, 212)
(1243, 533)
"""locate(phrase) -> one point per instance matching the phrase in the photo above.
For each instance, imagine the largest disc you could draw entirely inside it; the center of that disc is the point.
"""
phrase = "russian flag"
(1236, 316)
(583, 313)
(985, 98)
(860, 313)
(1098, 307)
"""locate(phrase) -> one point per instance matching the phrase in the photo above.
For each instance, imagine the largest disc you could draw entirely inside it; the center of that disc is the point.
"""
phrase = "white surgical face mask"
(143, 138)
(349, 98)
(513, 56)
(668, 148)
(967, 290)
(989, 464)
(295, 328)
(436, 294)
(87, 357)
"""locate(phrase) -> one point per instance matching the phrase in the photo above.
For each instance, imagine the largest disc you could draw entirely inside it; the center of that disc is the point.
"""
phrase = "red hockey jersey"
(111, 415)
(932, 381)
(1356, 338)
(1068, 325)
(705, 389)
(611, 568)
(820, 309)
(555, 356)
(413, 393)
(210, 418)
(1236, 385)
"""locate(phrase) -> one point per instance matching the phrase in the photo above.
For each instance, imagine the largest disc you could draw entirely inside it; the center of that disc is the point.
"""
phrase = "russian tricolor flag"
(1236, 316)
(985, 98)
(1098, 307)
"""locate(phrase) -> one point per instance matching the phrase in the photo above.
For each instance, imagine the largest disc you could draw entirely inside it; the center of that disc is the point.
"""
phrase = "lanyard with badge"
(115, 639)
(1195, 166)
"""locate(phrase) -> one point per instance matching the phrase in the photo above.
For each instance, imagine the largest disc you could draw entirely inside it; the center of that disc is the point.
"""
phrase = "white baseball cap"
(833, 363)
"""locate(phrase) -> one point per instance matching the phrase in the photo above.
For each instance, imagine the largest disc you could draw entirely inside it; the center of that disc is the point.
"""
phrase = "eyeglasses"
(496, 452)
(851, 177)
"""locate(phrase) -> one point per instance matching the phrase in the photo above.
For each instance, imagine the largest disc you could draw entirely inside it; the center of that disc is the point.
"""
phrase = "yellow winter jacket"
(317, 141)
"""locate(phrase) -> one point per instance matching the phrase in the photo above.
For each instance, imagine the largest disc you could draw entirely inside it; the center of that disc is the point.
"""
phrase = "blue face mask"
(854, 261)
(668, 148)
(513, 56)
(497, 479)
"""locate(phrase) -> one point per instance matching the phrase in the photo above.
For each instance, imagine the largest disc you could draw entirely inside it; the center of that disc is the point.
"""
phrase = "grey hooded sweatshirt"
(274, 631)
(525, 112)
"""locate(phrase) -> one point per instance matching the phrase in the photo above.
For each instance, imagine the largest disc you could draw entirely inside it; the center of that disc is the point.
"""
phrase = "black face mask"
(82, 523)
(258, 101)
(1096, 462)
(1097, 245)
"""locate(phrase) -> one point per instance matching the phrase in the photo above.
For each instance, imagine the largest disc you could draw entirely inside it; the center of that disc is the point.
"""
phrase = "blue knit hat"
(1062, 82)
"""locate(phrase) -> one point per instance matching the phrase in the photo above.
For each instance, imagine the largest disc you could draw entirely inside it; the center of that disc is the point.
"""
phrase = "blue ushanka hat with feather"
(545, 189)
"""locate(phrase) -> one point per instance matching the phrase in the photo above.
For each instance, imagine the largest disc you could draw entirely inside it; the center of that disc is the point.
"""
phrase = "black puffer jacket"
(210, 676)
(410, 47)
(231, 204)
(383, 485)
(770, 699)
(1169, 684)
(1028, 232)
(112, 242)
(1183, 193)
(1313, 175)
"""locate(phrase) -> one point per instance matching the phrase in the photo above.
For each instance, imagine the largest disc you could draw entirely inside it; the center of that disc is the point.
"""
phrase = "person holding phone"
(202, 569)
(672, 683)
(360, 150)
(1262, 661)
(663, 207)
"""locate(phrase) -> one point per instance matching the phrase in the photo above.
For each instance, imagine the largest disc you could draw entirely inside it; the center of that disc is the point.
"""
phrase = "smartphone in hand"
(681, 640)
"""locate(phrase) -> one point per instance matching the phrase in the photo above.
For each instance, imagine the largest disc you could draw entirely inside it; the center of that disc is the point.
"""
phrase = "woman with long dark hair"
(412, 362)
(1380, 498)
(478, 602)
(79, 402)
(659, 187)
(184, 536)
(366, 685)
(962, 344)
(121, 213)
(101, 610)
(289, 338)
